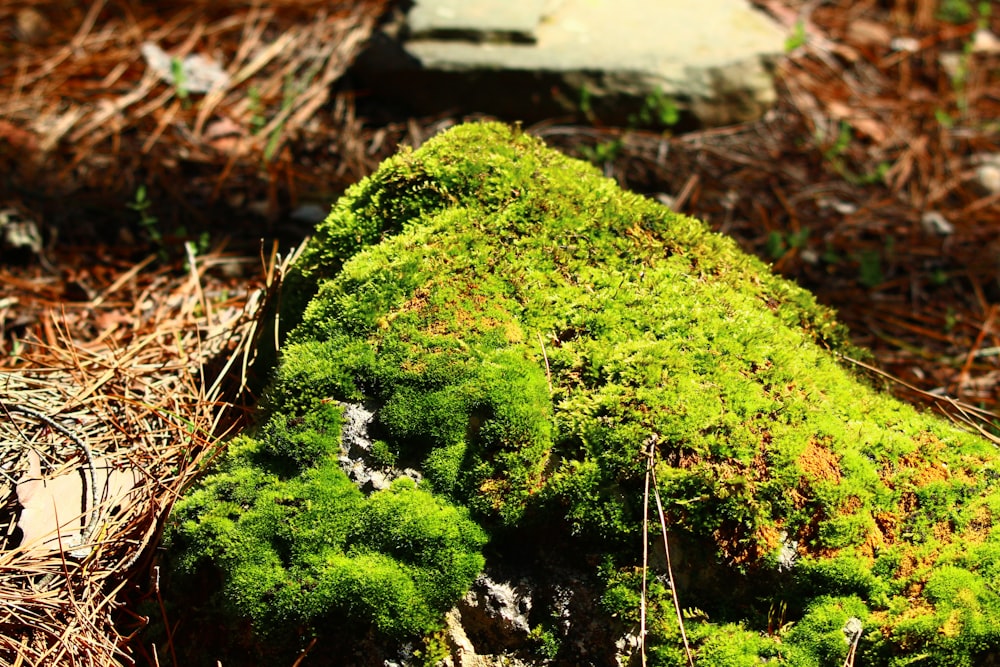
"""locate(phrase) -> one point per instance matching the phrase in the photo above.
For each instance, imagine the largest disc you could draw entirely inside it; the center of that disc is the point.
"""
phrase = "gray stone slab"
(713, 56)
(657, 36)
(486, 19)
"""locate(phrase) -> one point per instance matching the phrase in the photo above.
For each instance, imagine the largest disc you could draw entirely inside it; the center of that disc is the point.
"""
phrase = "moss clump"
(302, 551)
(527, 330)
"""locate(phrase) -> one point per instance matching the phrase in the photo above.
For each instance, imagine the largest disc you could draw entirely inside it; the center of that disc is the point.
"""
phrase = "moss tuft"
(527, 330)
(304, 441)
(311, 553)
(826, 631)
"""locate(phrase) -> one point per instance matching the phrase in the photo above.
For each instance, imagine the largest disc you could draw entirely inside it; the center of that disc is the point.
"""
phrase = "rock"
(987, 173)
(462, 650)
(356, 457)
(355, 438)
(500, 610)
(463, 653)
(537, 341)
(483, 20)
(19, 236)
(508, 622)
(535, 59)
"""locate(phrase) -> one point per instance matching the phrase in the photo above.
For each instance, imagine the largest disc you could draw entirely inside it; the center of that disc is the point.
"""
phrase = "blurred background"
(854, 145)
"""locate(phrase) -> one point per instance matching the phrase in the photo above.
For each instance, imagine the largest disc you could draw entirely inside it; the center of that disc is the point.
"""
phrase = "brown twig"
(651, 477)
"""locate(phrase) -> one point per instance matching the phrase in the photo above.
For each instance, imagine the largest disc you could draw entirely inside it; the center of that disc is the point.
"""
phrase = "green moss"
(958, 623)
(384, 455)
(732, 645)
(310, 553)
(823, 635)
(526, 330)
(306, 440)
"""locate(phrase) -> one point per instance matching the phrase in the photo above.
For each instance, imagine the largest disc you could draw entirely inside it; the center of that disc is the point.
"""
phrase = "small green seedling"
(797, 38)
(180, 79)
(142, 205)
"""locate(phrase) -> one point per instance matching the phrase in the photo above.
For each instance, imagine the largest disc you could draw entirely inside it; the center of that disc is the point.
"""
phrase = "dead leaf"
(985, 41)
(223, 127)
(57, 511)
(869, 33)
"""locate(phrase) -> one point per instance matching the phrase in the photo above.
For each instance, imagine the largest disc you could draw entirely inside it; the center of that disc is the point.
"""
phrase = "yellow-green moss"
(301, 551)
(526, 329)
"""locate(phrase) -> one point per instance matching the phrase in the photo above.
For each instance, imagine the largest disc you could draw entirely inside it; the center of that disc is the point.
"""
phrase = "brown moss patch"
(818, 463)
(887, 524)
(874, 541)
(907, 566)
(495, 491)
(944, 531)
(737, 547)
(768, 537)
(908, 502)
(980, 526)
(851, 505)
(417, 303)
(925, 461)
(928, 473)
(914, 569)
(798, 498)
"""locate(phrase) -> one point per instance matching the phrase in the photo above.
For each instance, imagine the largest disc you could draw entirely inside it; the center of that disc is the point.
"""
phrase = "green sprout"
(179, 77)
(797, 38)
(142, 205)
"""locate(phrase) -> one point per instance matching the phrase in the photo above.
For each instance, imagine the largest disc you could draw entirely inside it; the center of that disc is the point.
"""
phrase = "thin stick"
(163, 610)
(853, 651)
(305, 653)
(645, 555)
(548, 371)
(670, 571)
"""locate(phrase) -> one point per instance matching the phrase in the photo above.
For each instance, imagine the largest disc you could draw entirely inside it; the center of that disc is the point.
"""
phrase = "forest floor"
(132, 211)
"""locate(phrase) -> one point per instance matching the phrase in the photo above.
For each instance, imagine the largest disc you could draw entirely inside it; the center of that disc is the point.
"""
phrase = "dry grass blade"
(149, 397)
(971, 417)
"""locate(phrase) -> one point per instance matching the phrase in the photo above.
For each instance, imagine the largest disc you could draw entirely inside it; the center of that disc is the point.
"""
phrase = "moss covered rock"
(527, 331)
